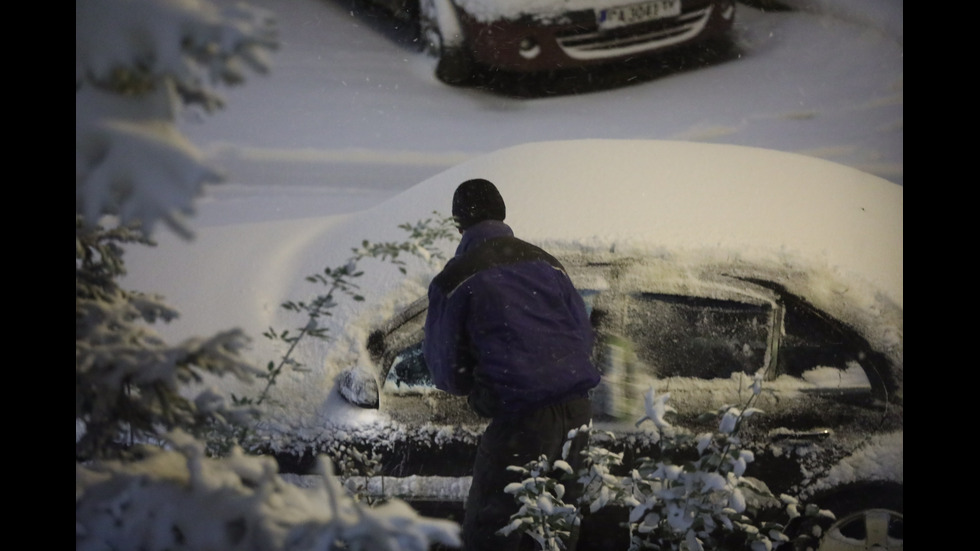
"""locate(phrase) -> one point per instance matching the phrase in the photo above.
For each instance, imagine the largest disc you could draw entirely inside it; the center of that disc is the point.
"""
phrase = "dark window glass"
(813, 339)
(408, 370)
(693, 337)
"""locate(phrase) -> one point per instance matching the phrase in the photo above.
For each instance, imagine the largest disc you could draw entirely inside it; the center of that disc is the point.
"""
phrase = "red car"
(544, 35)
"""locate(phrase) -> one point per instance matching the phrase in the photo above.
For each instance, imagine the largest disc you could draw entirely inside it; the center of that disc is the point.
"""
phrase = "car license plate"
(638, 13)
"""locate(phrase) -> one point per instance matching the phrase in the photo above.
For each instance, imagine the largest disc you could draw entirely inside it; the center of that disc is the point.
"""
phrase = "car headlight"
(529, 48)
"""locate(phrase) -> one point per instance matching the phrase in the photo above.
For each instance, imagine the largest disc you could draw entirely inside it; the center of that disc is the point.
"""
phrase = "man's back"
(524, 322)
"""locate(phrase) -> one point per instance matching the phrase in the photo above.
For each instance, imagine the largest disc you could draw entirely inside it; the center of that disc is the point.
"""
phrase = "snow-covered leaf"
(692, 541)
(656, 407)
(736, 500)
(728, 421)
(509, 529)
(713, 482)
(703, 440)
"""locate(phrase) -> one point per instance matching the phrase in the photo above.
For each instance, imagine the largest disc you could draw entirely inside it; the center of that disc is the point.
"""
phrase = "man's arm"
(445, 346)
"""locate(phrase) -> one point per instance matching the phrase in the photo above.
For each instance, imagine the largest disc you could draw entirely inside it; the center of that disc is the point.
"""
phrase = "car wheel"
(455, 67)
(872, 529)
(868, 516)
(442, 37)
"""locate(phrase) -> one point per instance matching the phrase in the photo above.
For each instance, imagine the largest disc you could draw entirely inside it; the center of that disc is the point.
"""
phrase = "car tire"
(878, 529)
(455, 65)
(859, 511)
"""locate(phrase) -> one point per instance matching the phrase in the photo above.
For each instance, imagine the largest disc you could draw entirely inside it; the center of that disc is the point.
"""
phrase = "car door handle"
(812, 435)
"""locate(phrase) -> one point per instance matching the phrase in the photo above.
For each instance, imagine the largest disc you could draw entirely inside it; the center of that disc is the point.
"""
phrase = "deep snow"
(351, 114)
(350, 117)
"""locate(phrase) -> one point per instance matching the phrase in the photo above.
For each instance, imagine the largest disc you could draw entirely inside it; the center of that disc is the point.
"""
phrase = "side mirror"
(359, 387)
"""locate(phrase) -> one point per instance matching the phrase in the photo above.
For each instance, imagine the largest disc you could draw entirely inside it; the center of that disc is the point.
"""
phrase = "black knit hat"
(475, 201)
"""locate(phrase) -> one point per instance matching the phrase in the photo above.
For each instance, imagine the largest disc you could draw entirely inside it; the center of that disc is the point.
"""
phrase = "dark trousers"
(516, 441)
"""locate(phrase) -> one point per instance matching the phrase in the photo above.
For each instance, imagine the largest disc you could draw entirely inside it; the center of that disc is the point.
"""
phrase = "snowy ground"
(351, 113)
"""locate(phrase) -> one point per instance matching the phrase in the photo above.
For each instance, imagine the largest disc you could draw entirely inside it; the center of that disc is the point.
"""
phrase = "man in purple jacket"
(507, 329)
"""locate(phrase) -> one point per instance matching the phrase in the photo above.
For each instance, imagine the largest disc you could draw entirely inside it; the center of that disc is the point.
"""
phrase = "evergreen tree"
(127, 379)
(137, 64)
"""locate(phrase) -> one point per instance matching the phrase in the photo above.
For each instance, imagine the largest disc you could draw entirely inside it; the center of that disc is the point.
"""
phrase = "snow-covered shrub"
(138, 63)
(127, 379)
(600, 486)
(543, 515)
(182, 499)
(678, 502)
(128, 391)
(694, 496)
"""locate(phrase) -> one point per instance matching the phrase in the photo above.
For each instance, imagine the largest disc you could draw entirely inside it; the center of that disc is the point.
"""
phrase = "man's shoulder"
(499, 251)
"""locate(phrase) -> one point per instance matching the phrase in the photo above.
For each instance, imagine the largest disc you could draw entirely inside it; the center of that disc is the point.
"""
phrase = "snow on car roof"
(688, 198)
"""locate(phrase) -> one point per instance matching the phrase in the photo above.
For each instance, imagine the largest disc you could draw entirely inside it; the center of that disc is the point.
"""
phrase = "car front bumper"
(575, 40)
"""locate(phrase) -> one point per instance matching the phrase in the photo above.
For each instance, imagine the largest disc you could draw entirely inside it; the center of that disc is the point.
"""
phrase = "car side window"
(821, 350)
(681, 336)
(408, 371)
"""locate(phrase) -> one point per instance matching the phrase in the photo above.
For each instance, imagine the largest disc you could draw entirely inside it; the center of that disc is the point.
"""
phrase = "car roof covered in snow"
(684, 197)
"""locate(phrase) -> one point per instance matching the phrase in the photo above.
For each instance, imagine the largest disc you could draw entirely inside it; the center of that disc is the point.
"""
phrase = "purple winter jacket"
(506, 327)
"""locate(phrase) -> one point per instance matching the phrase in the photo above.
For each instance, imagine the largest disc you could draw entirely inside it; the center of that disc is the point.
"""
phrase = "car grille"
(635, 39)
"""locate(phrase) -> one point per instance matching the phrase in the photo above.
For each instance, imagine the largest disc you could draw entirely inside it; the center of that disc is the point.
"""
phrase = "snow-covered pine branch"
(183, 499)
(128, 380)
(137, 64)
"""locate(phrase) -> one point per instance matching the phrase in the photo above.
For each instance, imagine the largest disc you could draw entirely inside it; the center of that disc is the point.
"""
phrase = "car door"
(703, 351)
(822, 390)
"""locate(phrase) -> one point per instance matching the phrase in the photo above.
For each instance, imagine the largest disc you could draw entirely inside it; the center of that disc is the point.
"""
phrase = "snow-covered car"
(546, 35)
(703, 265)
(829, 397)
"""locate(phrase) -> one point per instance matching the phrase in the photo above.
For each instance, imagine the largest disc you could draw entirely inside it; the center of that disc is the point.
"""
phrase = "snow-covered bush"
(600, 486)
(138, 63)
(129, 387)
(182, 499)
(543, 515)
(700, 503)
(694, 496)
